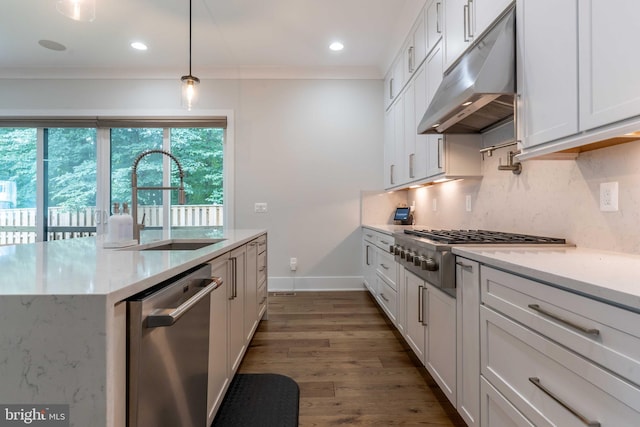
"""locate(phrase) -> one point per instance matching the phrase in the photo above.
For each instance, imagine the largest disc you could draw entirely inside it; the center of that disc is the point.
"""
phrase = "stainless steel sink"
(176, 245)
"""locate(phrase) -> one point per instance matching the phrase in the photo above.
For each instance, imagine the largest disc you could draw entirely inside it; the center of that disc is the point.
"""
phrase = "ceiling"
(231, 38)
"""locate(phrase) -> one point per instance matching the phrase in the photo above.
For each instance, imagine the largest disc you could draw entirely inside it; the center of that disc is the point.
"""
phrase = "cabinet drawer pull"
(465, 266)
(589, 331)
(420, 298)
(536, 381)
(383, 297)
(384, 266)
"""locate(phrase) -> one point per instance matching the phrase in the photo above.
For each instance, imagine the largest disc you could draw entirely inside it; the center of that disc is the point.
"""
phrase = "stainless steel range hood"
(479, 90)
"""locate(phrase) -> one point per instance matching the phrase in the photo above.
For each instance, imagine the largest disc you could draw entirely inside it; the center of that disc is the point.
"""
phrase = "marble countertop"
(608, 276)
(84, 267)
(390, 228)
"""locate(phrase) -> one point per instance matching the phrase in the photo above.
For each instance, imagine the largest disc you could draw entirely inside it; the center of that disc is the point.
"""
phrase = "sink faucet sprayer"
(134, 189)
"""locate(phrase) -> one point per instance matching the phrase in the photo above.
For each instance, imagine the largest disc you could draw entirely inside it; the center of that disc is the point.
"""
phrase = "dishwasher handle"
(169, 316)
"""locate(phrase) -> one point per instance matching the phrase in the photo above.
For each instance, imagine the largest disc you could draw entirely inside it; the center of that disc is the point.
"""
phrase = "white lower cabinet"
(235, 294)
(415, 329)
(440, 354)
(218, 366)
(497, 411)
(387, 297)
(237, 306)
(251, 290)
(468, 340)
(430, 330)
(558, 358)
(550, 385)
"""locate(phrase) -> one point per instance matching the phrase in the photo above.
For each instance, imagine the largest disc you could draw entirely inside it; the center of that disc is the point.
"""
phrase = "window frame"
(103, 124)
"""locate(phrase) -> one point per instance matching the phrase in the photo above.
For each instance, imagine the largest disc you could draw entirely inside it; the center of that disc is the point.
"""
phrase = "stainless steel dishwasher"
(168, 351)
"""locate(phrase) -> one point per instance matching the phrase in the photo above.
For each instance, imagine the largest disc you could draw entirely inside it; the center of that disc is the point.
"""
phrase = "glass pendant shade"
(78, 10)
(189, 91)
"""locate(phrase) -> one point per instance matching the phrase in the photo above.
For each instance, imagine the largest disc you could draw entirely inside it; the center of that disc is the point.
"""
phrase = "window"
(80, 181)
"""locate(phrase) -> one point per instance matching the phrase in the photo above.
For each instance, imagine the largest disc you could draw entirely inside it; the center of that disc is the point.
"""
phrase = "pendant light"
(78, 10)
(189, 82)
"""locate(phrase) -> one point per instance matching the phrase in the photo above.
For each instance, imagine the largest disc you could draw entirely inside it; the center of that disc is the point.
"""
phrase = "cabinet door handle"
(410, 55)
(411, 171)
(392, 181)
(589, 331)
(420, 310)
(438, 29)
(536, 381)
(440, 149)
(470, 32)
(465, 266)
(383, 297)
(391, 88)
(367, 255)
(465, 18)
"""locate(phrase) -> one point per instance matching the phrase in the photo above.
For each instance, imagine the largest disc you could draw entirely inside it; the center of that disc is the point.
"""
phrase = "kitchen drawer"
(262, 298)
(262, 266)
(380, 240)
(513, 358)
(386, 267)
(385, 242)
(614, 337)
(262, 244)
(388, 297)
(497, 411)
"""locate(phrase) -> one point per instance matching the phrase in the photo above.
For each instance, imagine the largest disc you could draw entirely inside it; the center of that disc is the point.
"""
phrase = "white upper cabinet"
(434, 143)
(465, 20)
(547, 70)
(389, 148)
(415, 48)
(434, 22)
(420, 98)
(609, 64)
(577, 78)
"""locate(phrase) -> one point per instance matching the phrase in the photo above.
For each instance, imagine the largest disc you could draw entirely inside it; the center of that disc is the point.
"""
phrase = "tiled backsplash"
(558, 198)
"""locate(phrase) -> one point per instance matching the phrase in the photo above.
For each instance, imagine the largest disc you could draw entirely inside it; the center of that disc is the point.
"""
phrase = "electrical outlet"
(609, 196)
(293, 264)
(467, 201)
(260, 207)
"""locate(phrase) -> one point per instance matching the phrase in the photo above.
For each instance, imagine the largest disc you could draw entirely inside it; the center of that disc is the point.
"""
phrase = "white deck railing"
(19, 225)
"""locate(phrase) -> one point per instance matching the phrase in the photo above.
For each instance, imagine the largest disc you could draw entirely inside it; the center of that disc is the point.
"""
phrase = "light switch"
(260, 207)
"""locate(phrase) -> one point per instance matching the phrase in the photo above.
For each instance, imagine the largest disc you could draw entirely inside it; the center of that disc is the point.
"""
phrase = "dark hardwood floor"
(353, 368)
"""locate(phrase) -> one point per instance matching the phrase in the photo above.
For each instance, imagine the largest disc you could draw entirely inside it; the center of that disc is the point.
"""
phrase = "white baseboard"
(323, 283)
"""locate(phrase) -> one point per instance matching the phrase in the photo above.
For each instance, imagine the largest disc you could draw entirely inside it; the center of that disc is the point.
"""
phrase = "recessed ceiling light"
(139, 46)
(336, 46)
(51, 45)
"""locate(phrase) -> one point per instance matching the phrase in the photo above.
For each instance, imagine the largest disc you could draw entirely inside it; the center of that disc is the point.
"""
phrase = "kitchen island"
(63, 317)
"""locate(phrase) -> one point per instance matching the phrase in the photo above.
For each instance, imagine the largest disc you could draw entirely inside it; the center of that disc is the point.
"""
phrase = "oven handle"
(169, 316)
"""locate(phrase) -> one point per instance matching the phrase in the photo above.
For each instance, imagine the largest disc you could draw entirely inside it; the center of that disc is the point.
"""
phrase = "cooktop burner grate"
(457, 237)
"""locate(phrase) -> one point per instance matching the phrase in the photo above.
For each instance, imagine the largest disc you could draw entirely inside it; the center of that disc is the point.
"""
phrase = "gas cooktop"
(457, 237)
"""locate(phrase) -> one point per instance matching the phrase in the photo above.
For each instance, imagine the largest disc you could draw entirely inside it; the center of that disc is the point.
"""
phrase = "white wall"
(306, 147)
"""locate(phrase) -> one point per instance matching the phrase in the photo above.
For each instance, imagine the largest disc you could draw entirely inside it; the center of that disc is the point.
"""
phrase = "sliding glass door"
(62, 182)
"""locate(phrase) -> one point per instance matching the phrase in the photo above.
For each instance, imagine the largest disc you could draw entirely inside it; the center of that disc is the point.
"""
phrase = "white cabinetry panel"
(610, 87)
(547, 70)
(533, 372)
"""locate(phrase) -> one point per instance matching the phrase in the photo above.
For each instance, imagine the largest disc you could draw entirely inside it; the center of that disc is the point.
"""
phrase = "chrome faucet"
(134, 189)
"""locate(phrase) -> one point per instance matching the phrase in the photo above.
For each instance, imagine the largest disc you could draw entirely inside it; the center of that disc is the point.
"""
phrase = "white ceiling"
(231, 38)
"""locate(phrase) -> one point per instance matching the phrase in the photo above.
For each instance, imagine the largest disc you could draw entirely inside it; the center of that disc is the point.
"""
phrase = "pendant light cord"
(190, 37)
